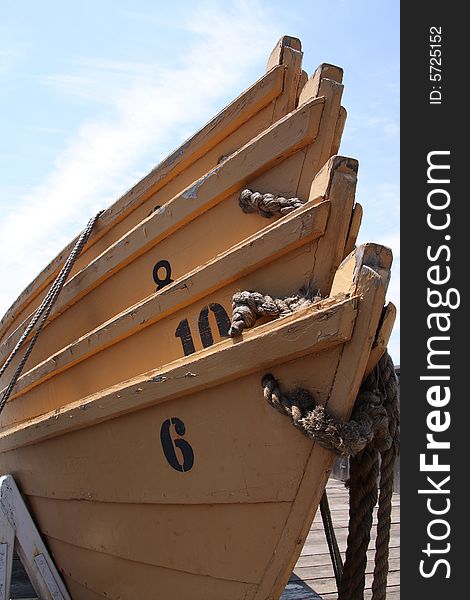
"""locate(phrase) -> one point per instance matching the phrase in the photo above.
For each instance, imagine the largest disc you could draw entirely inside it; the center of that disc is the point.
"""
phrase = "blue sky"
(95, 93)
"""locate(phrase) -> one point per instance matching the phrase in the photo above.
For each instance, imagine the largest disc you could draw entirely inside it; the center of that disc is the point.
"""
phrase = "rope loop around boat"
(267, 205)
(368, 424)
(371, 433)
(43, 312)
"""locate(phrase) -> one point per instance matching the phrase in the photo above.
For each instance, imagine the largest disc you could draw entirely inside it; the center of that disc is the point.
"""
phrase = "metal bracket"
(18, 531)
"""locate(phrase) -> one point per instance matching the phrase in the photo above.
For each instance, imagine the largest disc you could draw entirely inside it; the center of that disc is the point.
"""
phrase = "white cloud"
(12, 50)
(146, 105)
(379, 125)
(384, 124)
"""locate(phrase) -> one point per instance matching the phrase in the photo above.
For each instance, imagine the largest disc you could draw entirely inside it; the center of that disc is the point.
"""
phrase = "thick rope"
(363, 473)
(267, 205)
(388, 381)
(372, 429)
(43, 311)
(314, 421)
(364, 469)
(248, 307)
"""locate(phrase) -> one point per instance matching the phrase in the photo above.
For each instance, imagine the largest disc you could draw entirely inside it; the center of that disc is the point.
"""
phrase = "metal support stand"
(18, 531)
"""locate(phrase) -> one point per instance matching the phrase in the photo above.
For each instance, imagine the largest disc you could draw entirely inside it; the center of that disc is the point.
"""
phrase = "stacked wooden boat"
(138, 432)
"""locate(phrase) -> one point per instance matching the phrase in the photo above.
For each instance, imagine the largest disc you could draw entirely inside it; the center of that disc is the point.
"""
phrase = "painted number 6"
(169, 445)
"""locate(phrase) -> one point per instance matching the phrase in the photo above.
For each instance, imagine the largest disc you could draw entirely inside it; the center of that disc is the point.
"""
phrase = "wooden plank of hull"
(277, 261)
(321, 326)
(378, 257)
(74, 383)
(287, 51)
(247, 264)
(340, 123)
(354, 227)
(78, 591)
(188, 231)
(302, 81)
(268, 100)
(382, 337)
(238, 472)
(325, 82)
(207, 528)
(86, 571)
(299, 350)
(80, 317)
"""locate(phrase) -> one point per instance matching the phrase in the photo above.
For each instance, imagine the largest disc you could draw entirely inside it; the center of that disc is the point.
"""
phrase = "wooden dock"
(313, 577)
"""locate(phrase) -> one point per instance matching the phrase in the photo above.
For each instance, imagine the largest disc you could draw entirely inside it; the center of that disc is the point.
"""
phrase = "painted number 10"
(183, 330)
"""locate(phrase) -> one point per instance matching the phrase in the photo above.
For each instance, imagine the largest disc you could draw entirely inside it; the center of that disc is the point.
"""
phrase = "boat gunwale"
(290, 232)
(307, 138)
(281, 82)
(154, 180)
(134, 394)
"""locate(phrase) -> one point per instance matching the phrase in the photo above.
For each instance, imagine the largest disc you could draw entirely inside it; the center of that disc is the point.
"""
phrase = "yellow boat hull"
(183, 482)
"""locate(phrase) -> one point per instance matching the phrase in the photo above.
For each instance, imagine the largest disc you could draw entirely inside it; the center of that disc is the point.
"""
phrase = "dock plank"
(21, 587)
(313, 577)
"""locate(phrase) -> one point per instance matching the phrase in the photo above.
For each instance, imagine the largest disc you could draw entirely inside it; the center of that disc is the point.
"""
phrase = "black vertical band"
(434, 329)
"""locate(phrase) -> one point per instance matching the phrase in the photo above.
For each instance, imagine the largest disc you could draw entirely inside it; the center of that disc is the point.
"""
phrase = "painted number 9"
(169, 446)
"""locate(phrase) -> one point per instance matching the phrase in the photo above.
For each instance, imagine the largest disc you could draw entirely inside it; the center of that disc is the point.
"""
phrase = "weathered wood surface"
(179, 171)
(250, 467)
(222, 183)
(19, 532)
(354, 227)
(313, 576)
(192, 228)
(314, 329)
(269, 99)
(382, 336)
(279, 260)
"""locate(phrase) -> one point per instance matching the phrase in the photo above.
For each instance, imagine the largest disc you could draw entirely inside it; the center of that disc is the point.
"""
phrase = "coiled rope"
(248, 307)
(43, 311)
(267, 205)
(372, 431)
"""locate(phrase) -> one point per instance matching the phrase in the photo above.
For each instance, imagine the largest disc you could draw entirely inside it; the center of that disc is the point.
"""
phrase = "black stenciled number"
(169, 445)
(183, 330)
(165, 265)
(222, 320)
